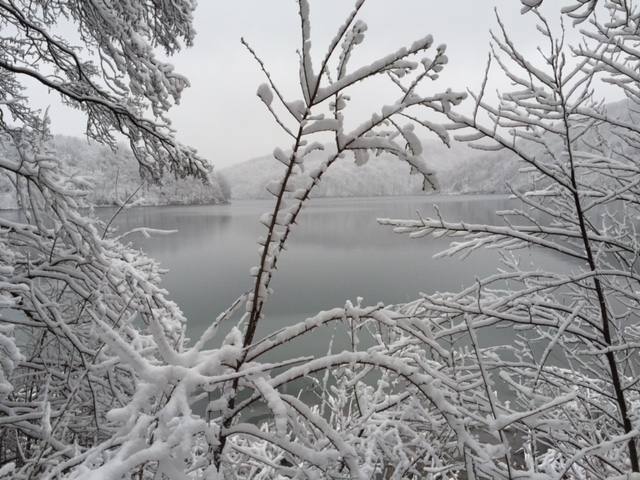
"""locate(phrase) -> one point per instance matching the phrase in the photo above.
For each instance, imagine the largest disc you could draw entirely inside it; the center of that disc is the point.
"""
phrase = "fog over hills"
(113, 175)
(460, 170)
(110, 176)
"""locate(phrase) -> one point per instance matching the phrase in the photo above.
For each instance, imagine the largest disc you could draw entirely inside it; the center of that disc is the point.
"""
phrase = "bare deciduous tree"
(575, 415)
(67, 283)
(96, 379)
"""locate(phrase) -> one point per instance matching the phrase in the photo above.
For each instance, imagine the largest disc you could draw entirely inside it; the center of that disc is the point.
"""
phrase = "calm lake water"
(338, 252)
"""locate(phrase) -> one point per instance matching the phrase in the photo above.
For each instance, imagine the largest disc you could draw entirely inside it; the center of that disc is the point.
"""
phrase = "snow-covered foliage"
(80, 311)
(114, 75)
(569, 384)
(72, 293)
(112, 176)
(97, 381)
(460, 170)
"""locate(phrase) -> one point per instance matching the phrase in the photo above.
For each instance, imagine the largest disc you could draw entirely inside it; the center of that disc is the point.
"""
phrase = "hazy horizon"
(220, 114)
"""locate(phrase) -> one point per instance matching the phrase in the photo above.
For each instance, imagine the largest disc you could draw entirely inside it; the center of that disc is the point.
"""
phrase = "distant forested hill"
(460, 170)
(111, 175)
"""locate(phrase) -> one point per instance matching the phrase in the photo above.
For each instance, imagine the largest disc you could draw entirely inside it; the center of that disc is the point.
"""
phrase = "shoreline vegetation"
(111, 177)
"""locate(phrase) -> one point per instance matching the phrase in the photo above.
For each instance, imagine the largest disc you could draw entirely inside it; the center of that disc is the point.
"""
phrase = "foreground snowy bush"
(96, 380)
(71, 290)
(573, 371)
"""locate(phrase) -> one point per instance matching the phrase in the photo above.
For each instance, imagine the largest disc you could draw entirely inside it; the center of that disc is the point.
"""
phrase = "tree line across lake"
(111, 176)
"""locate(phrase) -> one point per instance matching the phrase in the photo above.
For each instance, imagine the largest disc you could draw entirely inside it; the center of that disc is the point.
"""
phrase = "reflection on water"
(338, 252)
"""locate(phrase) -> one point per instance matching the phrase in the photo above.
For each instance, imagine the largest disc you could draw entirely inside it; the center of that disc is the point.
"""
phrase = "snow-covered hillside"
(460, 170)
(112, 175)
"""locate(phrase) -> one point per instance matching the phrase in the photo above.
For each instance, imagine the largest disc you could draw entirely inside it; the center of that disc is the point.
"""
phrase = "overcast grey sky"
(222, 117)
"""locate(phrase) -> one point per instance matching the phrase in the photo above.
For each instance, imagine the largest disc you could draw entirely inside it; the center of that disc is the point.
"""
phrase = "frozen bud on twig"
(265, 94)
(529, 4)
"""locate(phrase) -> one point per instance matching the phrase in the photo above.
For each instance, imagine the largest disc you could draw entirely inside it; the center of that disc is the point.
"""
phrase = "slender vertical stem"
(599, 289)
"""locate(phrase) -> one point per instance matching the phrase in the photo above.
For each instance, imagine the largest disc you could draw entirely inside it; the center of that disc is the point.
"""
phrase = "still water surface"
(338, 252)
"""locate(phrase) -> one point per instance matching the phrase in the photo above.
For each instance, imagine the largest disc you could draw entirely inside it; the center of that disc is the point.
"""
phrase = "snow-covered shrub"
(569, 383)
(405, 407)
(98, 382)
(71, 292)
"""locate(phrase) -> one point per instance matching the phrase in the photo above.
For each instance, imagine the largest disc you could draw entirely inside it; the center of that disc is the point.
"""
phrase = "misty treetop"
(111, 176)
(113, 74)
(460, 170)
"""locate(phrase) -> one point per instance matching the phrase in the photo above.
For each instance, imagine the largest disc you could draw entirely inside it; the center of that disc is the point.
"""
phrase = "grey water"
(338, 252)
